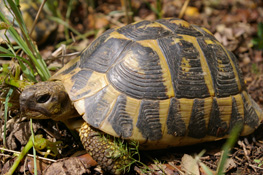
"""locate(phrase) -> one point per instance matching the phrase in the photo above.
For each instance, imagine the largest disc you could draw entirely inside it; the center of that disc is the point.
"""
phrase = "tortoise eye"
(43, 98)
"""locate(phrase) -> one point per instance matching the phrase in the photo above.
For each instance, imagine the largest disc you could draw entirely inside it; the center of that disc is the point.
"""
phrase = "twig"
(253, 166)
(30, 155)
(37, 16)
(183, 9)
(170, 163)
(245, 151)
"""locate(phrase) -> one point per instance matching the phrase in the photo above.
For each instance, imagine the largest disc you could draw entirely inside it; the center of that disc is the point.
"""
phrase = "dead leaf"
(71, 165)
(170, 170)
(7, 166)
(18, 133)
(101, 21)
(87, 159)
(41, 165)
(189, 165)
(258, 56)
(230, 164)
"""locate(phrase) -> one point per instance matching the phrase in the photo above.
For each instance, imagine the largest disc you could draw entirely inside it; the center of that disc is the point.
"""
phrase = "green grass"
(157, 10)
(25, 53)
(35, 64)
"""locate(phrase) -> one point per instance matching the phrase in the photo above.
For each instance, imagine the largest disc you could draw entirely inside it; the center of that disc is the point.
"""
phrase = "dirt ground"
(233, 22)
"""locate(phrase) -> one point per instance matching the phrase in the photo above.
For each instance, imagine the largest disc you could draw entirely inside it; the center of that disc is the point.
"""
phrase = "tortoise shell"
(162, 83)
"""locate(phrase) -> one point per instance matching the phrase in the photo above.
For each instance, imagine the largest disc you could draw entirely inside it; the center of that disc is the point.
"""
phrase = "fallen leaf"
(258, 56)
(41, 165)
(230, 164)
(87, 159)
(189, 165)
(71, 165)
(101, 21)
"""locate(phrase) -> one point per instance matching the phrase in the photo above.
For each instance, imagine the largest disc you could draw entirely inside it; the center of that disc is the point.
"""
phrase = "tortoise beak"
(23, 101)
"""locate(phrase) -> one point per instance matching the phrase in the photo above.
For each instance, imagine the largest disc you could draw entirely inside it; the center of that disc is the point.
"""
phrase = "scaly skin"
(109, 154)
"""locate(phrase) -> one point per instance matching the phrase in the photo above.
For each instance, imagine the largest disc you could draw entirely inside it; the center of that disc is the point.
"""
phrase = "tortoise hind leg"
(109, 153)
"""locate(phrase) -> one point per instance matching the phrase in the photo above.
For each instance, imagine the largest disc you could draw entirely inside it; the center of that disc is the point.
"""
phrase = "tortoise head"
(46, 100)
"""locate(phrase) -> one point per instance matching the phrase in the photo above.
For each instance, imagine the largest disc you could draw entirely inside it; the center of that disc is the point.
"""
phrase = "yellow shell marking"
(240, 105)
(206, 70)
(154, 24)
(186, 106)
(208, 41)
(109, 97)
(185, 65)
(96, 82)
(225, 108)
(167, 79)
(180, 22)
(163, 114)
(130, 61)
(117, 35)
(175, 41)
(59, 75)
(133, 109)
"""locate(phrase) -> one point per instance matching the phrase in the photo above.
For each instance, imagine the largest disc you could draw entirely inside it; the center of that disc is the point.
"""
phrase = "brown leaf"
(7, 166)
(170, 170)
(86, 158)
(41, 165)
(101, 21)
(189, 165)
(72, 165)
(230, 164)
(258, 56)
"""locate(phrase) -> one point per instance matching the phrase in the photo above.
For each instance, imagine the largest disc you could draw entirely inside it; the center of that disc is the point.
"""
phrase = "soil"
(233, 22)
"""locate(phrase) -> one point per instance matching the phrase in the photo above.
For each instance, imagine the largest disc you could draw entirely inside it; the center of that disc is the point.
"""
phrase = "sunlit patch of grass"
(35, 64)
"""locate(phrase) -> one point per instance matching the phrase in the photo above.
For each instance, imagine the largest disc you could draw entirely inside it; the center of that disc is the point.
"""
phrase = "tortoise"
(162, 83)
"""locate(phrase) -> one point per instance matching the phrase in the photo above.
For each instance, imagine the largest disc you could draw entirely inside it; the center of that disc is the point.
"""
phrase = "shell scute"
(216, 127)
(185, 68)
(251, 117)
(197, 123)
(149, 121)
(101, 55)
(139, 74)
(144, 30)
(175, 124)
(80, 79)
(121, 121)
(180, 27)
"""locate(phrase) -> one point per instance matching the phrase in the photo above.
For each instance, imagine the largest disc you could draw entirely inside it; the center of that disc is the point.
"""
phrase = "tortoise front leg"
(111, 154)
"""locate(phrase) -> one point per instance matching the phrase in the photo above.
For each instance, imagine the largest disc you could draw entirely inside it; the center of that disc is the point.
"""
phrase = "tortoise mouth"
(34, 114)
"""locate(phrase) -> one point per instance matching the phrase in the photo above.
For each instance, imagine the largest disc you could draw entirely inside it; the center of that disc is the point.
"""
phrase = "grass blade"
(227, 146)
(10, 92)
